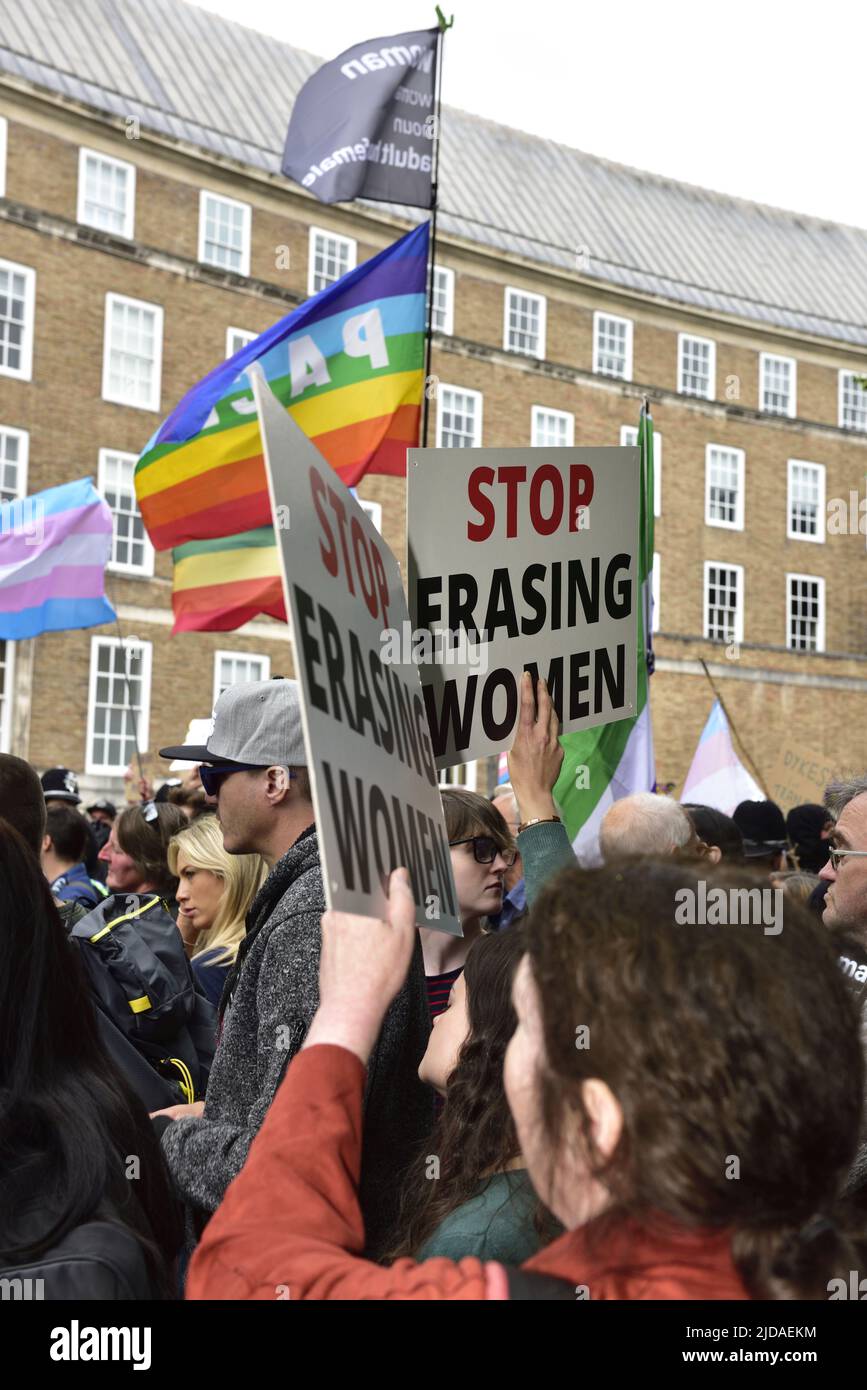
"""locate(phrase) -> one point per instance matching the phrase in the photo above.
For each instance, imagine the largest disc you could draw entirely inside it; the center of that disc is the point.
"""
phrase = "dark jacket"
(75, 887)
(268, 1005)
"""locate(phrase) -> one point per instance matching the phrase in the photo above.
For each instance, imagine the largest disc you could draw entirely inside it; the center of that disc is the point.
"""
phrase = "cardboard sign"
(522, 559)
(372, 771)
(801, 775)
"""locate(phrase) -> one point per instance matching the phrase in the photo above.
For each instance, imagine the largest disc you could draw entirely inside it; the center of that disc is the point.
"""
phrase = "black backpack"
(98, 1261)
(141, 981)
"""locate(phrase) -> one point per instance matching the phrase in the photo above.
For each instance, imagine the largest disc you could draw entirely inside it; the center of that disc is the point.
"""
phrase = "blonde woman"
(215, 890)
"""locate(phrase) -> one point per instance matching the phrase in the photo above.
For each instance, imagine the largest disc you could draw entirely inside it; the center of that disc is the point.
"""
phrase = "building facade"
(145, 233)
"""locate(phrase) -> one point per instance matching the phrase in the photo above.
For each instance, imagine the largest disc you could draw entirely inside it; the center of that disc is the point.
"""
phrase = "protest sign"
(372, 772)
(522, 559)
(800, 775)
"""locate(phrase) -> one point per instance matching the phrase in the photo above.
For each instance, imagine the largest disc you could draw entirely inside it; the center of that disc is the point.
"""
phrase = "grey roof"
(210, 82)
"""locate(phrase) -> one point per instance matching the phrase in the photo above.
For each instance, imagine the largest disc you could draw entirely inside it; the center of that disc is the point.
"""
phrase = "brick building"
(145, 231)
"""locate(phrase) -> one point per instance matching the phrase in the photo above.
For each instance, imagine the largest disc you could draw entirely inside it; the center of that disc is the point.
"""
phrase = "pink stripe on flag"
(21, 544)
(712, 755)
(66, 581)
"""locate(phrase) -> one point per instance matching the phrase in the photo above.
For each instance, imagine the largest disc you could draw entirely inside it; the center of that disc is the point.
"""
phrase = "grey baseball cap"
(257, 722)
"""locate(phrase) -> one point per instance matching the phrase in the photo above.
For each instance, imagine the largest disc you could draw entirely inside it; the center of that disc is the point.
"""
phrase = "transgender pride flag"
(717, 777)
(53, 551)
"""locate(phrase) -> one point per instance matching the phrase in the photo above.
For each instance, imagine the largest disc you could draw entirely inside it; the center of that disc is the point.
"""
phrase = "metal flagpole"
(444, 24)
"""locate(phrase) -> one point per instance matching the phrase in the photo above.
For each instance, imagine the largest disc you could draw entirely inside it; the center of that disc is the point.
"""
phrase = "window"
(462, 775)
(17, 291)
(853, 403)
(629, 438)
(805, 508)
(7, 694)
(3, 139)
(236, 338)
(131, 550)
(374, 511)
(330, 257)
(612, 346)
(654, 590)
(805, 628)
(778, 384)
(696, 366)
(118, 707)
(236, 668)
(723, 602)
(14, 449)
(724, 487)
(106, 193)
(132, 353)
(524, 323)
(443, 316)
(459, 418)
(551, 428)
(224, 233)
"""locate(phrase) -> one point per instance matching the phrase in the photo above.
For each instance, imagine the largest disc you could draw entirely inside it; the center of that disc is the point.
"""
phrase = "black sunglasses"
(486, 849)
(213, 775)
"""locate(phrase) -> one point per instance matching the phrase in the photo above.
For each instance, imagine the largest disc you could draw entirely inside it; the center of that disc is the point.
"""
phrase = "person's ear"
(278, 783)
(714, 853)
(605, 1115)
(46, 843)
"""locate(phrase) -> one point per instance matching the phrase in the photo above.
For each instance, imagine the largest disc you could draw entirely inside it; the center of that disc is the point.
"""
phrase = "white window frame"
(464, 775)
(841, 386)
(246, 333)
(613, 318)
(542, 306)
(311, 254)
(4, 145)
(740, 459)
(655, 589)
(682, 338)
(25, 371)
(23, 437)
(739, 590)
(820, 625)
(143, 718)
(86, 153)
(537, 411)
(792, 363)
(448, 327)
(464, 391)
(629, 439)
(146, 569)
(374, 511)
(791, 535)
(223, 654)
(246, 225)
(7, 706)
(154, 403)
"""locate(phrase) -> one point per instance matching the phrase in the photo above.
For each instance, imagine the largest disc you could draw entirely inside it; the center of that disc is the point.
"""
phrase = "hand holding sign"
(363, 964)
(536, 755)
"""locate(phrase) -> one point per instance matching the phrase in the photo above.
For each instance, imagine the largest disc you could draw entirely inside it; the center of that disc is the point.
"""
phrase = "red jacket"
(290, 1225)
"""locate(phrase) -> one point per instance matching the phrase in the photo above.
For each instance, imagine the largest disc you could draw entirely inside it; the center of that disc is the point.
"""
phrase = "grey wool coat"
(267, 1007)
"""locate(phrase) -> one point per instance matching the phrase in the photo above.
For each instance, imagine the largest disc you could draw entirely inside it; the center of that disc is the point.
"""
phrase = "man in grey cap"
(254, 770)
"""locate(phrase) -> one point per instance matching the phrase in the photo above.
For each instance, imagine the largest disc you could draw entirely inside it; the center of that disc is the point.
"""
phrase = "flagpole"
(444, 24)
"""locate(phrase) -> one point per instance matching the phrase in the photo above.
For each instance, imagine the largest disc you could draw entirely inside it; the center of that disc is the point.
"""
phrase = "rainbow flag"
(222, 584)
(349, 367)
(54, 547)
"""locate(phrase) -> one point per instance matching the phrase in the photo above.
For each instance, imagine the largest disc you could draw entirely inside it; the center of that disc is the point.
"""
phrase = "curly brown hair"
(718, 1042)
(474, 1137)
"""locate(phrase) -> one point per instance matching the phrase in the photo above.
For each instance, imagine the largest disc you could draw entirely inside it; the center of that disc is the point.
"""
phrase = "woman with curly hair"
(470, 1194)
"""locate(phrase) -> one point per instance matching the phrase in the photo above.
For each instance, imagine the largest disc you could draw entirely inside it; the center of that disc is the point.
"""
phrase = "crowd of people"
(212, 1087)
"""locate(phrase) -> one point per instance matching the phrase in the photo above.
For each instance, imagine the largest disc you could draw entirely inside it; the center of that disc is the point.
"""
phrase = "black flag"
(364, 125)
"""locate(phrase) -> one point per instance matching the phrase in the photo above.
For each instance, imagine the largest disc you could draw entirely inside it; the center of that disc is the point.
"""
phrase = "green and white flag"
(614, 760)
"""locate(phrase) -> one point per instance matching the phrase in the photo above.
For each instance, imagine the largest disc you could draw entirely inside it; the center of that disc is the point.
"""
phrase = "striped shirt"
(439, 987)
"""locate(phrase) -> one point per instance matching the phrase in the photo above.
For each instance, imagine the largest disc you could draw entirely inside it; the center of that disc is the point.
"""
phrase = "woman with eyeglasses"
(482, 849)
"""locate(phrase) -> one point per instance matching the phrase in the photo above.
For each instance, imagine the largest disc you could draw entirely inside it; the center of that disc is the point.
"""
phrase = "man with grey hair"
(254, 771)
(645, 824)
(846, 870)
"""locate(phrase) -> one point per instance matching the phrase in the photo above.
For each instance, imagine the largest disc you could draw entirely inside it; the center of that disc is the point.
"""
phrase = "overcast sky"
(749, 97)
